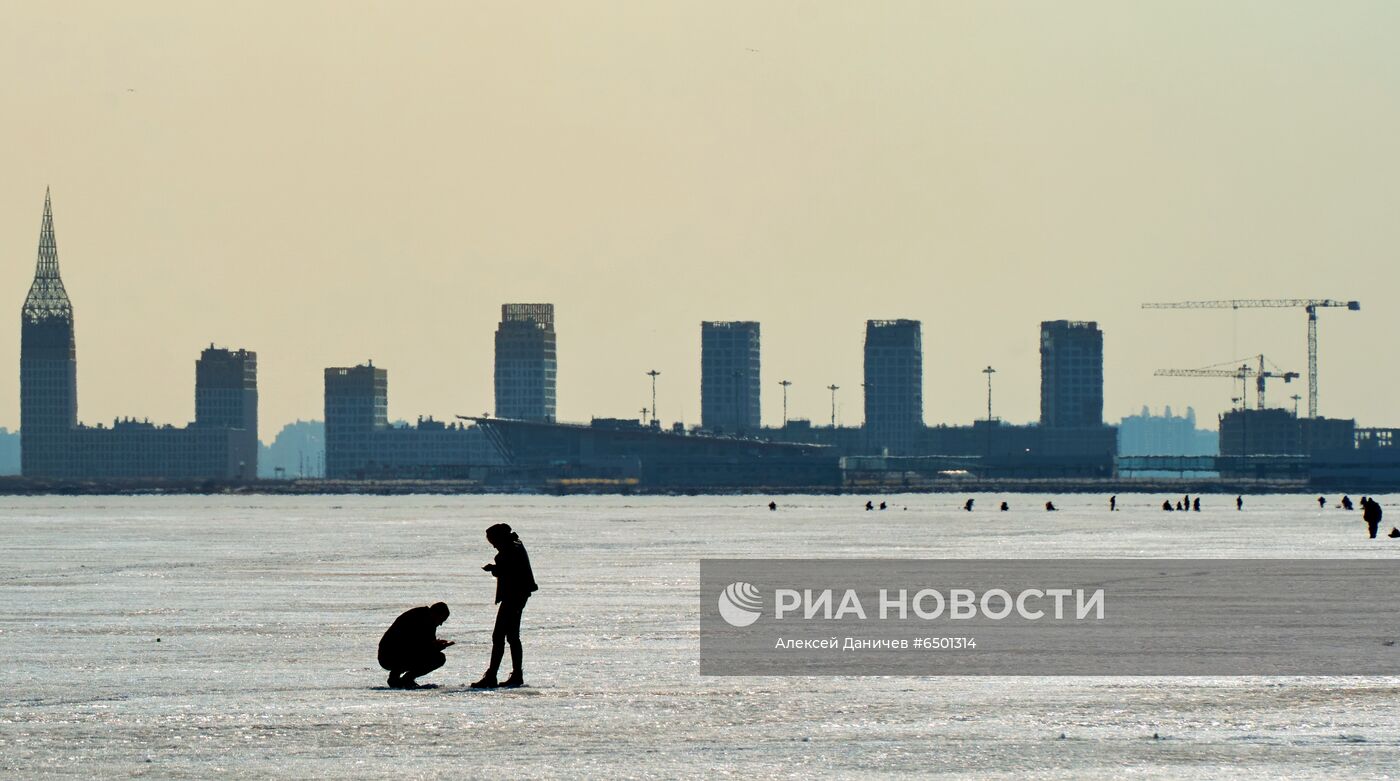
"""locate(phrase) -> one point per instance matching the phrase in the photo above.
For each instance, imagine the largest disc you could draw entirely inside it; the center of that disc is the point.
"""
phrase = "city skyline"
(537, 320)
(809, 168)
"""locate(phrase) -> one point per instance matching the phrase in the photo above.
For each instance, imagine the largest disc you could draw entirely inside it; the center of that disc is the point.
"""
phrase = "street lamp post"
(833, 388)
(989, 371)
(786, 384)
(653, 374)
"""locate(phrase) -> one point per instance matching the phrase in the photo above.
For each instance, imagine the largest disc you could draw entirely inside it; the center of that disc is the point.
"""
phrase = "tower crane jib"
(1310, 305)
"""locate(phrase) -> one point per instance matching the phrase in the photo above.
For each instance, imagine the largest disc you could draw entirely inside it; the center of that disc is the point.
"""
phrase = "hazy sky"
(329, 182)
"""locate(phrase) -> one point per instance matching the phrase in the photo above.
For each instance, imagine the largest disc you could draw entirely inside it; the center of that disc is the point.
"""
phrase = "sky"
(326, 183)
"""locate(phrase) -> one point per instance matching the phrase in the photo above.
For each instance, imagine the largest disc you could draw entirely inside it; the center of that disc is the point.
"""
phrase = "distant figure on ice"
(773, 506)
(410, 647)
(882, 506)
(1005, 507)
(968, 506)
(1239, 503)
(1346, 503)
(1321, 502)
(1167, 505)
(1050, 507)
(869, 505)
(1394, 532)
(1113, 503)
(1179, 507)
(1196, 505)
(515, 582)
(1371, 514)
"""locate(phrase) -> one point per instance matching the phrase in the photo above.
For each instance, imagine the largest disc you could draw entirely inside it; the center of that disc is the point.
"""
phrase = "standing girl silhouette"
(515, 582)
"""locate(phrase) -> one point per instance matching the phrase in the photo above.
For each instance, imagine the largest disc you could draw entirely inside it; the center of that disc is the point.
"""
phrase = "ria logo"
(740, 604)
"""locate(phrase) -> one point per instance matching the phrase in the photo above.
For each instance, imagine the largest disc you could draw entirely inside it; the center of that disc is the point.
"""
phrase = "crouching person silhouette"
(411, 648)
(515, 582)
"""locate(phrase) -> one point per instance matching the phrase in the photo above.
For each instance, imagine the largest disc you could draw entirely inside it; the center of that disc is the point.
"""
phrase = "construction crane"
(1309, 304)
(1240, 371)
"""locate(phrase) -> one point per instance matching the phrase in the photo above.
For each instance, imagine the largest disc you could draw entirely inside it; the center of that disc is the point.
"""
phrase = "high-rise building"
(221, 445)
(361, 443)
(894, 384)
(526, 363)
(729, 377)
(357, 405)
(1165, 435)
(1071, 374)
(48, 365)
(226, 396)
(226, 389)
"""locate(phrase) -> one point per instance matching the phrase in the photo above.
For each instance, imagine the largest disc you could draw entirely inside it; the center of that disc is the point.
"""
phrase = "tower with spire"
(48, 365)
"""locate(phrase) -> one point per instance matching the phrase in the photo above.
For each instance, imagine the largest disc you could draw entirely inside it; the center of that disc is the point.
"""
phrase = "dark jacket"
(1372, 512)
(414, 632)
(514, 578)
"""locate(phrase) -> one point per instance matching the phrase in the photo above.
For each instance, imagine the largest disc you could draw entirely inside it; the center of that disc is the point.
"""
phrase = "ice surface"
(268, 611)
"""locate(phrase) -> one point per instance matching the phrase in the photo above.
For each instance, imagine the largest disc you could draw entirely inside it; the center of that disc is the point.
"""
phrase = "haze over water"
(268, 610)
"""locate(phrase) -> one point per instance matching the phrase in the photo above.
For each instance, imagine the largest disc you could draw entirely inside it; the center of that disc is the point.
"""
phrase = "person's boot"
(409, 683)
(515, 681)
(488, 681)
(394, 682)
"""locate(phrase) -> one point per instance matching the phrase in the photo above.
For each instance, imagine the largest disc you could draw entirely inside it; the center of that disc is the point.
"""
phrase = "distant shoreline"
(19, 486)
